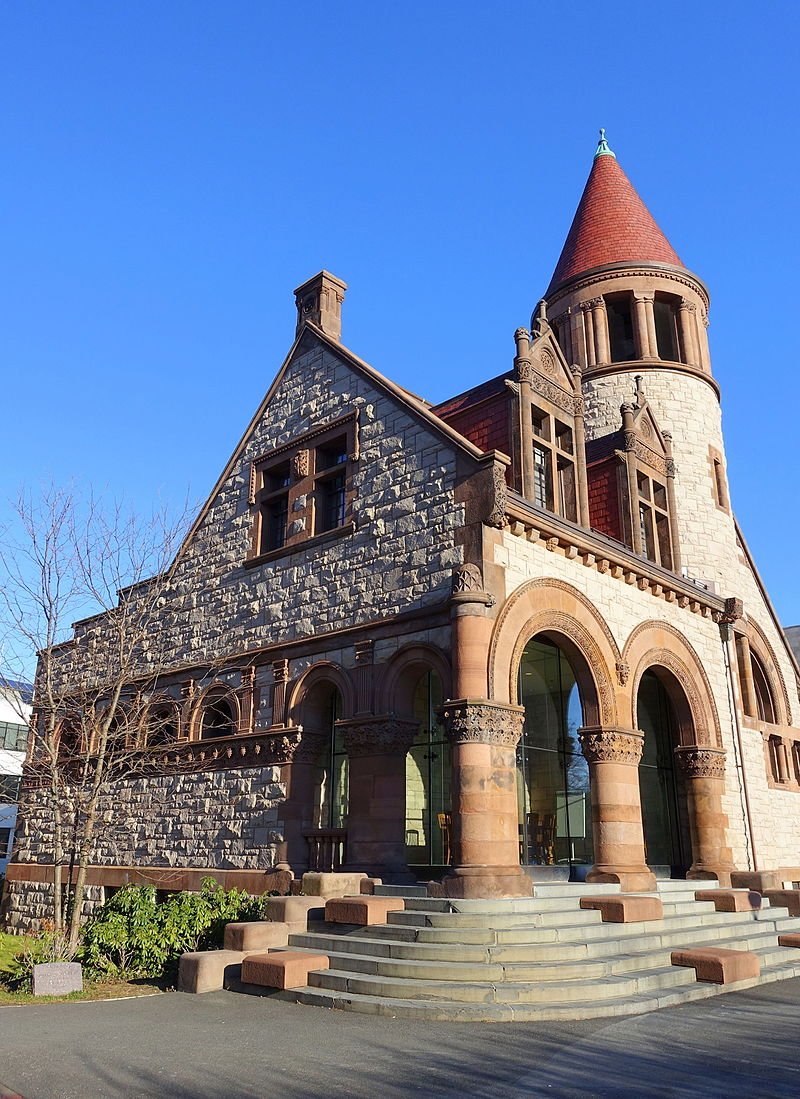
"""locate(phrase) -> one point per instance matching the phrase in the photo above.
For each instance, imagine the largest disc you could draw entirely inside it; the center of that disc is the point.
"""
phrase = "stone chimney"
(320, 301)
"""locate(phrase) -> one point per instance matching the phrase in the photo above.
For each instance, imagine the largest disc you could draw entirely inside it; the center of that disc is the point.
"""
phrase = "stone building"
(516, 635)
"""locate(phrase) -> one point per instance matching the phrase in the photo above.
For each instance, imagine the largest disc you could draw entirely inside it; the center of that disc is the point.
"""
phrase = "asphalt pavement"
(225, 1045)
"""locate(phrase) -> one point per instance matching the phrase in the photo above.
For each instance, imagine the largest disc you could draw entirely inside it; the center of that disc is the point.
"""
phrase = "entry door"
(428, 817)
(657, 784)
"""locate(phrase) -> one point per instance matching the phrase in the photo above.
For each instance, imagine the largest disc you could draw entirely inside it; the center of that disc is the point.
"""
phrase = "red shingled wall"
(604, 512)
(485, 424)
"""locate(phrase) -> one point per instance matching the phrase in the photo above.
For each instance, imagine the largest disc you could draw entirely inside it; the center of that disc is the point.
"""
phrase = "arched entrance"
(662, 794)
(555, 816)
(428, 772)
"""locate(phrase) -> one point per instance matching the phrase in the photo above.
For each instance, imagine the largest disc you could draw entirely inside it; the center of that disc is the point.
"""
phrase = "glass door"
(428, 816)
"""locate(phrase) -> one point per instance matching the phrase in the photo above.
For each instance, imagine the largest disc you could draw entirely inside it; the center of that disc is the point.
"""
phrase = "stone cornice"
(595, 550)
(625, 271)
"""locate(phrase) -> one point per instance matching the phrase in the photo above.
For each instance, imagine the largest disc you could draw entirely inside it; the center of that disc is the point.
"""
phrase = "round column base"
(632, 879)
(483, 883)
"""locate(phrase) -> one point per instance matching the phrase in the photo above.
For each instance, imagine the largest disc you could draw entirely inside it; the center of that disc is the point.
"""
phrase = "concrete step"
(558, 991)
(458, 920)
(401, 891)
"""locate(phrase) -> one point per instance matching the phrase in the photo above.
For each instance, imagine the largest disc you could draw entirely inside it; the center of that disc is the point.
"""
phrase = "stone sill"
(302, 544)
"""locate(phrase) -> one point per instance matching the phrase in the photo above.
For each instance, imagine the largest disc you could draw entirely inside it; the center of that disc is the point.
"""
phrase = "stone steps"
(539, 957)
(455, 1011)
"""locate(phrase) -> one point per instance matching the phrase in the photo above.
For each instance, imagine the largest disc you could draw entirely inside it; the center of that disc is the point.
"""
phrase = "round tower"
(623, 305)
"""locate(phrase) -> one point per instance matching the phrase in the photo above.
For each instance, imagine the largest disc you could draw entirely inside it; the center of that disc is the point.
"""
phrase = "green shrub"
(132, 935)
(48, 946)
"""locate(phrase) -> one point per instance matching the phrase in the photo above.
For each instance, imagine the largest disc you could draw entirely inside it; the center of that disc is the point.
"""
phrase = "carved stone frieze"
(553, 393)
(524, 371)
(297, 747)
(382, 735)
(623, 672)
(547, 362)
(694, 762)
(467, 722)
(611, 745)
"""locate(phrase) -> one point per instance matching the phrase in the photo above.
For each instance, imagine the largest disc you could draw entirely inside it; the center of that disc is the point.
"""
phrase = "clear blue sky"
(172, 170)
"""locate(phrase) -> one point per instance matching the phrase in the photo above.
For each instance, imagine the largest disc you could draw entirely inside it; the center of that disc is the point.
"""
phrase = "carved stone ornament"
(734, 609)
(375, 736)
(623, 672)
(497, 516)
(300, 464)
(467, 578)
(524, 370)
(364, 652)
(694, 762)
(482, 723)
(612, 745)
(553, 393)
(547, 361)
(296, 747)
(280, 670)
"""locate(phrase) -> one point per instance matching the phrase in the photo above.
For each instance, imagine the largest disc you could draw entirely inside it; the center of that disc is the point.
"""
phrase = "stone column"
(749, 697)
(672, 504)
(485, 839)
(298, 753)
(688, 331)
(640, 330)
(630, 439)
(580, 453)
(703, 771)
(602, 340)
(248, 699)
(280, 675)
(613, 755)
(522, 362)
(376, 813)
(578, 337)
(650, 323)
(364, 676)
(588, 321)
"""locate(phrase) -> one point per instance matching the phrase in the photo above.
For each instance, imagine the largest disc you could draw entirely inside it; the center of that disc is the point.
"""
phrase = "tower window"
(620, 327)
(666, 317)
(654, 520)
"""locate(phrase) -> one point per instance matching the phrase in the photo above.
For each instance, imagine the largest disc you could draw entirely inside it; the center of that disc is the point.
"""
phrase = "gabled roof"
(611, 225)
(415, 405)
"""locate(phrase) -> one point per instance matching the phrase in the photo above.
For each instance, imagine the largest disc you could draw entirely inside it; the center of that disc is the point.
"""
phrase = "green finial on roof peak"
(602, 147)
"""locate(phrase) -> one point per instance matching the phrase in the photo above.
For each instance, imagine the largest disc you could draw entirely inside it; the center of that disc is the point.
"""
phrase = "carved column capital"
(469, 721)
(611, 745)
(696, 762)
(375, 736)
(296, 747)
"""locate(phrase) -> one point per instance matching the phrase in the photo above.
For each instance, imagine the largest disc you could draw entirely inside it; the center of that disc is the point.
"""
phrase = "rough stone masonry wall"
(623, 607)
(399, 557)
(28, 904)
(689, 408)
(216, 819)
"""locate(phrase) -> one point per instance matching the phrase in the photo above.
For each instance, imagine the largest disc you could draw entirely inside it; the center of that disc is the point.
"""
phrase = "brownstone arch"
(662, 648)
(217, 698)
(699, 756)
(562, 614)
(394, 694)
(300, 700)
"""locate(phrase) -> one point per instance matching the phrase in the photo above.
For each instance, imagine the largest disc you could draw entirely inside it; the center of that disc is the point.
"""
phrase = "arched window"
(552, 772)
(757, 700)
(619, 310)
(428, 816)
(764, 703)
(322, 709)
(162, 726)
(665, 309)
(658, 790)
(218, 719)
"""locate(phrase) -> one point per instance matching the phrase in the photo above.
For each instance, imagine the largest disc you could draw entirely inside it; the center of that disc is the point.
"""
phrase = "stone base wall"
(27, 905)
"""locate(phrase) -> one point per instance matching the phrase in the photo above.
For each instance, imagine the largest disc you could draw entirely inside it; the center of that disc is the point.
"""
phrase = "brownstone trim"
(392, 693)
(322, 671)
(170, 878)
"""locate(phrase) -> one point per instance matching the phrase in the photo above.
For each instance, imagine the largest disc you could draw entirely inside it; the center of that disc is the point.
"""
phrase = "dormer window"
(553, 464)
(654, 520)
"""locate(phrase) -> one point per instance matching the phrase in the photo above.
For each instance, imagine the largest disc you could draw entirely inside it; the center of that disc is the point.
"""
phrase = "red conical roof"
(611, 225)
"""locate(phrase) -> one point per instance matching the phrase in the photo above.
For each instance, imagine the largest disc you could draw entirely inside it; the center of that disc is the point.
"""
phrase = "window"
(654, 525)
(13, 737)
(665, 309)
(303, 490)
(217, 720)
(756, 692)
(5, 843)
(620, 327)
(162, 726)
(554, 484)
(273, 506)
(9, 788)
(330, 485)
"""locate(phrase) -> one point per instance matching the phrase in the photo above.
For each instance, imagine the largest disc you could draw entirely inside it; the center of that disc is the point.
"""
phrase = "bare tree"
(95, 677)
